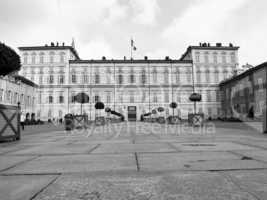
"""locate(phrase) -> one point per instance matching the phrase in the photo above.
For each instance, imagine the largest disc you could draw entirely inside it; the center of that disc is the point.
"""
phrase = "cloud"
(144, 11)
(95, 49)
(202, 20)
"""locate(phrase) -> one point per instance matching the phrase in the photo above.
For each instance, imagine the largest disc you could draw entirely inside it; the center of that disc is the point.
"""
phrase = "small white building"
(16, 89)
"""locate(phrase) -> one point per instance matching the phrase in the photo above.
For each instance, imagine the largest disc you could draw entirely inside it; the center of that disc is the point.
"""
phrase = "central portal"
(131, 113)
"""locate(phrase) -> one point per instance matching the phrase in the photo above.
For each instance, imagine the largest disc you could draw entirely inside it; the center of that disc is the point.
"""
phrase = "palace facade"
(123, 83)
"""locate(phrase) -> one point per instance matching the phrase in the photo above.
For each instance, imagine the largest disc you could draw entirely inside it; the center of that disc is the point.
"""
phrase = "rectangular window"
(72, 98)
(154, 76)
(143, 78)
(85, 78)
(143, 96)
(61, 79)
(1, 94)
(155, 98)
(51, 79)
(208, 95)
(132, 78)
(206, 58)
(50, 99)
(73, 78)
(108, 97)
(120, 77)
(223, 59)
(61, 99)
(131, 97)
(97, 79)
(215, 58)
(166, 97)
(40, 80)
(197, 57)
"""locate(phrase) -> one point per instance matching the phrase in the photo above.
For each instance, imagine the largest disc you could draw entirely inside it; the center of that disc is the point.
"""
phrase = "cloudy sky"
(158, 27)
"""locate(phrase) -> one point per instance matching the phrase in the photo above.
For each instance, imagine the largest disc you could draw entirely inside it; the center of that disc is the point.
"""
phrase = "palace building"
(123, 84)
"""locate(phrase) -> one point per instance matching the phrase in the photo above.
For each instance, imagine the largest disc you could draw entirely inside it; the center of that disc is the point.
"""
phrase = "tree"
(81, 98)
(9, 60)
(173, 105)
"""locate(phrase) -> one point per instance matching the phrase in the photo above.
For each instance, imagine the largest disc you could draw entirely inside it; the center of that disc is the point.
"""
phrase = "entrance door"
(131, 113)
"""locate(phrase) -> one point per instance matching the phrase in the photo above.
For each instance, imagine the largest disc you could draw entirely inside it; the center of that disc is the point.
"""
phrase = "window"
(51, 79)
(62, 57)
(49, 114)
(223, 58)
(1, 94)
(177, 76)
(179, 98)
(198, 76)
(216, 76)
(50, 99)
(108, 97)
(166, 97)
(97, 78)
(132, 78)
(131, 97)
(209, 111)
(197, 57)
(61, 79)
(61, 99)
(188, 76)
(166, 77)
(143, 77)
(97, 98)
(207, 73)
(51, 57)
(25, 58)
(206, 57)
(120, 78)
(215, 58)
(225, 74)
(85, 78)
(33, 58)
(155, 98)
(232, 57)
(143, 96)
(40, 98)
(40, 80)
(41, 57)
(72, 97)
(60, 113)
(73, 78)
(154, 76)
(208, 95)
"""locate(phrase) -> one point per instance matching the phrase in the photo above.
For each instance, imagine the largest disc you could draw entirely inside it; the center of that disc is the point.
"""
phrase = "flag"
(132, 45)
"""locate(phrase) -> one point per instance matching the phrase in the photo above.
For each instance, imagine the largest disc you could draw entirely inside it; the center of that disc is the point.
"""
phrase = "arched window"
(62, 57)
(177, 76)
(25, 58)
(33, 57)
(51, 57)
(207, 74)
(216, 75)
(154, 75)
(50, 99)
(143, 77)
(215, 57)
(188, 75)
(198, 73)
(225, 73)
(41, 57)
(166, 76)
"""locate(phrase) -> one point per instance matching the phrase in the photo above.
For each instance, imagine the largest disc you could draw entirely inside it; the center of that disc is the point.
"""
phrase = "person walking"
(22, 120)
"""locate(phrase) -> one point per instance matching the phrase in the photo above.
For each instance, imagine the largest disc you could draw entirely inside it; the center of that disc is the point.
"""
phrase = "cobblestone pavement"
(137, 161)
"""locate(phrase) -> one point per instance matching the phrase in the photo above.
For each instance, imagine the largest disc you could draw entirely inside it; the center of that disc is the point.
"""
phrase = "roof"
(208, 48)
(244, 74)
(129, 61)
(25, 80)
(73, 50)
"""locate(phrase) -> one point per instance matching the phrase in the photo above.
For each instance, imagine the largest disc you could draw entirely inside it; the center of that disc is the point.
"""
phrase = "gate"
(9, 122)
(131, 113)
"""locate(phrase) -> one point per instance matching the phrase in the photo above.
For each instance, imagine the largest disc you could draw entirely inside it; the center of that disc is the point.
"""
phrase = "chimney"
(167, 58)
(57, 44)
(218, 44)
(103, 58)
(145, 57)
(124, 57)
(52, 44)
(63, 44)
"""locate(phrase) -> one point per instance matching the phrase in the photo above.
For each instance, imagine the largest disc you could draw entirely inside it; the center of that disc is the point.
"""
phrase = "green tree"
(9, 60)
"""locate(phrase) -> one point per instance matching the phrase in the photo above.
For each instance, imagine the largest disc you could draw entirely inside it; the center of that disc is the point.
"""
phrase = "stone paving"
(137, 161)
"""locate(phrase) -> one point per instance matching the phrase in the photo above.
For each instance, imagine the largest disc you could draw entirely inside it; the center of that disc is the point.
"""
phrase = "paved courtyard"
(137, 161)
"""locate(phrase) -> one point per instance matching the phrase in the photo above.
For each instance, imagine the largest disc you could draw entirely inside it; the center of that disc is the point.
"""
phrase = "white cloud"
(202, 21)
(95, 49)
(145, 11)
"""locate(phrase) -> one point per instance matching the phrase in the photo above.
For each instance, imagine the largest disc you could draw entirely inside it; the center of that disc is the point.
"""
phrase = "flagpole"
(131, 48)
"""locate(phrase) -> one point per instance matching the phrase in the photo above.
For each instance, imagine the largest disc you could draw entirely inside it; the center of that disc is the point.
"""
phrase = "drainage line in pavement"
(40, 191)
(94, 148)
(137, 162)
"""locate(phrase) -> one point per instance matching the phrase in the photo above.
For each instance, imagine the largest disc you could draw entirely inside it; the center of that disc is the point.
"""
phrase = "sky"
(159, 28)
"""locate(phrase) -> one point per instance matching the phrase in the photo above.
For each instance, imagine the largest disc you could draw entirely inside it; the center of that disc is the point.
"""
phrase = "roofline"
(73, 50)
(130, 61)
(207, 48)
(244, 74)
(25, 80)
